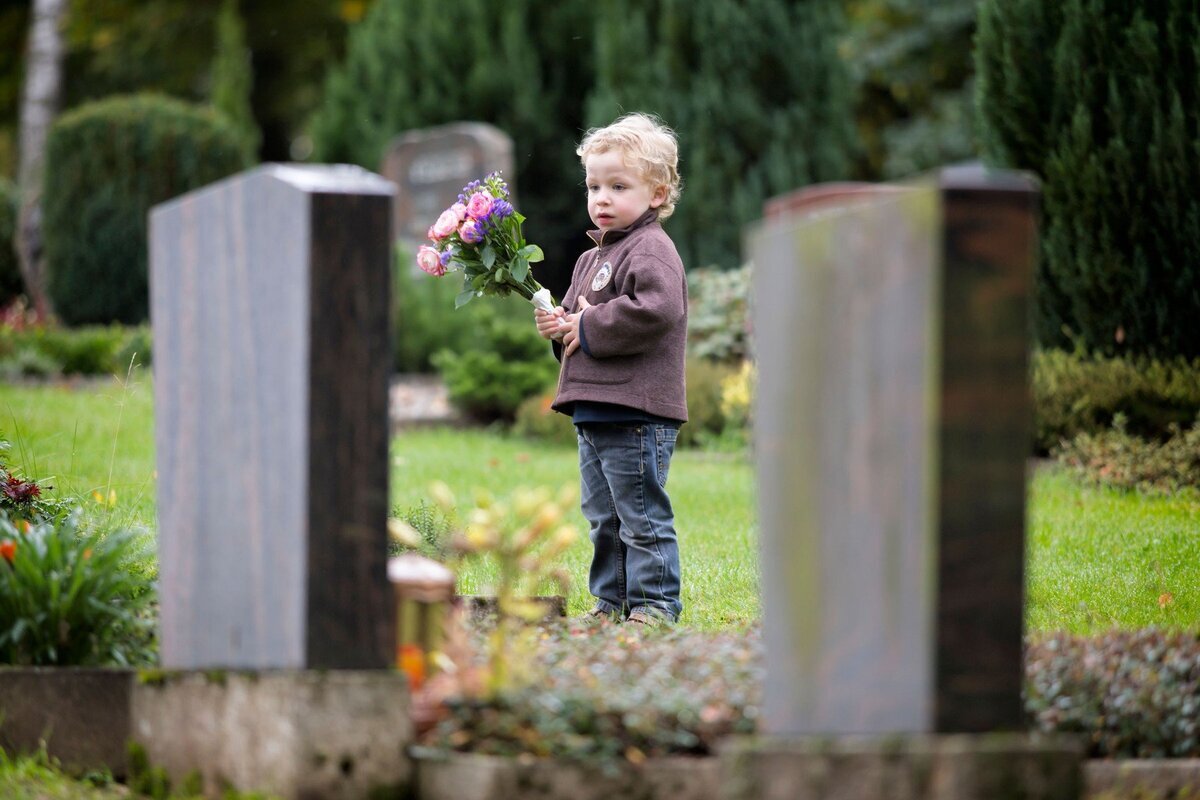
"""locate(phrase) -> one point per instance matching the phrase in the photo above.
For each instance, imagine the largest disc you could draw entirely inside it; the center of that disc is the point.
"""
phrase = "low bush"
(70, 598)
(89, 350)
(1074, 394)
(1130, 694)
(705, 390)
(507, 362)
(1118, 458)
(613, 695)
(719, 313)
(537, 420)
(424, 319)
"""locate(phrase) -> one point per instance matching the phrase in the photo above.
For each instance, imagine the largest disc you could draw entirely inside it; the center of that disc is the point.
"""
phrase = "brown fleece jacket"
(634, 336)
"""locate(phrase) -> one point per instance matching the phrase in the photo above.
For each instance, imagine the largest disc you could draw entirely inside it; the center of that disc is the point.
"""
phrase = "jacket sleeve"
(651, 301)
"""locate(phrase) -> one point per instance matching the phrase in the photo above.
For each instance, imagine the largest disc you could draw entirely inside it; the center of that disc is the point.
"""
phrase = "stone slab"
(891, 429)
(269, 302)
(431, 165)
(81, 714)
(1145, 779)
(955, 767)
(469, 776)
(294, 734)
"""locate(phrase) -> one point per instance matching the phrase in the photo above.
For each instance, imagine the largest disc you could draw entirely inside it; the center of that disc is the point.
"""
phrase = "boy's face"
(618, 195)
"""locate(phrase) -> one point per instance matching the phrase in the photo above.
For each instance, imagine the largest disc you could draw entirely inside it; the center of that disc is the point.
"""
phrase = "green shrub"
(609, 696)
(506, 363)
(537, 420)
(1099, 98)
(107, 163)
(1130, 694)
(432, 524)
(705, 386)
(70, 598)
(88, 350)
(11, 283)
(718, 313)
(1074, 394)
(1118, 458)
(424, 319)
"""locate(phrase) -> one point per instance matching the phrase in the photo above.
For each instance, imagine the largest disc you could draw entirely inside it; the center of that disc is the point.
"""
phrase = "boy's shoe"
(597, 616)
(648, 618)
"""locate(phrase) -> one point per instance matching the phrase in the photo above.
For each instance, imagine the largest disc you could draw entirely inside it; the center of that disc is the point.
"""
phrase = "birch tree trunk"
(39, 105)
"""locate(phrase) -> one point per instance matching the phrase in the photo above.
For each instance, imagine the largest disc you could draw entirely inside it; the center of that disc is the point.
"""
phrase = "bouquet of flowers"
(480, 235)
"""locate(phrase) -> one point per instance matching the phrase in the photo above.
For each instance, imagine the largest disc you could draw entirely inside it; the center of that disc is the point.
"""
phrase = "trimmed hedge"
(1074, 394)
(1100, 99)
(1131, 694)
(89, 350)
(107, 164)
(1117, 458)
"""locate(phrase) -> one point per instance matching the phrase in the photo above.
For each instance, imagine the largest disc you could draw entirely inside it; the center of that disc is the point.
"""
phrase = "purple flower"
(502, 209)
(445, 256)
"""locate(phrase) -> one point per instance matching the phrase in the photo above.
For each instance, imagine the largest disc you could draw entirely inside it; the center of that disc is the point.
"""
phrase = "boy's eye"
(618, 187)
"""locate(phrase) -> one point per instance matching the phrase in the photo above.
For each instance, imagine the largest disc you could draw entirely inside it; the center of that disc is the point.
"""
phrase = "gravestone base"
(80, 714)
(293, 734)
(999, 766)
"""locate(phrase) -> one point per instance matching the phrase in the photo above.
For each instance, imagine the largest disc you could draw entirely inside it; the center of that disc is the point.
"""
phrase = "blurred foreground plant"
(72, 598)
(523, 535)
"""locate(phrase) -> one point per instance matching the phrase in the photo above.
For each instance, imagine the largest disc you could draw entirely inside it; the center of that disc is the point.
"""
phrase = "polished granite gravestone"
(269, 302)
(431, 165)
(891, 431)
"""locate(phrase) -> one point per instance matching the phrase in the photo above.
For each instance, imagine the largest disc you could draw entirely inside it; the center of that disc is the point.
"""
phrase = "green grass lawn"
(1097, 557)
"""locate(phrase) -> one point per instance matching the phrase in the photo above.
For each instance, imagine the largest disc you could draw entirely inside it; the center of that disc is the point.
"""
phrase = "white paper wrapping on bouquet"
(542, 299)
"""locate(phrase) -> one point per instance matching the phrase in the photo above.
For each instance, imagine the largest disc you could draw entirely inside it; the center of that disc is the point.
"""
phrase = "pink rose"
(471, 232)
(445, 225)
(460, 211)
(479, 205)
(429, 260)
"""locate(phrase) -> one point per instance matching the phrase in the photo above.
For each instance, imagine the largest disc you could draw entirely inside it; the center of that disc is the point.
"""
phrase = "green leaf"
(488, 255)
(463, 298)
(533, 253)
(520, 269)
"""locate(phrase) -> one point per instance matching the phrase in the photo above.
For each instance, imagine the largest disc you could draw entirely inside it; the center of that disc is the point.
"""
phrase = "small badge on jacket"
(602, 277)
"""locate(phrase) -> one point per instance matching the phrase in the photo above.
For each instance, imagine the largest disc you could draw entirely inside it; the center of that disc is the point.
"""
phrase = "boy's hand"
(548, 325)
(570, 327)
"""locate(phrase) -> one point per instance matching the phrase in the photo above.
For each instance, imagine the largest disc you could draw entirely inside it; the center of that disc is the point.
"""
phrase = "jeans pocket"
(664, 448)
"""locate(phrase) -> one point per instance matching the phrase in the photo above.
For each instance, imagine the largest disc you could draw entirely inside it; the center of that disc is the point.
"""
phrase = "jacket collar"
(601, 238)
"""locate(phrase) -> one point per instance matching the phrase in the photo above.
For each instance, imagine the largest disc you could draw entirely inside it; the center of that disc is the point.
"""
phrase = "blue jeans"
(623, 471)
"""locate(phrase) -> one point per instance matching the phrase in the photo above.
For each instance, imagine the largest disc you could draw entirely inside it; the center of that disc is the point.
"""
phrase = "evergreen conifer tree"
(1101, 99)
(522, 66)
(233, 75)
(755, 90)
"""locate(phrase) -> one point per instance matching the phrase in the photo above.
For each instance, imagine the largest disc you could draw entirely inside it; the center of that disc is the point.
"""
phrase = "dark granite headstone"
(269, 302)
(430, 166)
(892, 429)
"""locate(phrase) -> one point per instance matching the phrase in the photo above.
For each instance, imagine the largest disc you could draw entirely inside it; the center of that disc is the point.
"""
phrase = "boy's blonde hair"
(647, 145)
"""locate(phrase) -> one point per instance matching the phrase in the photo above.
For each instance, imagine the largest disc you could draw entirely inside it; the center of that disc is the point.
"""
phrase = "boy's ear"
(659, 197)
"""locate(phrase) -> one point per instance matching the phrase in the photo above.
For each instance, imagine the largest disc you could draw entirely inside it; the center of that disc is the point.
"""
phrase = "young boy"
(623, 330)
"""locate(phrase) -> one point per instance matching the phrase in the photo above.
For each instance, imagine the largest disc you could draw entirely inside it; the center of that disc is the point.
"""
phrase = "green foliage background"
(755, 90)
(1100, 98)
(107, 164)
